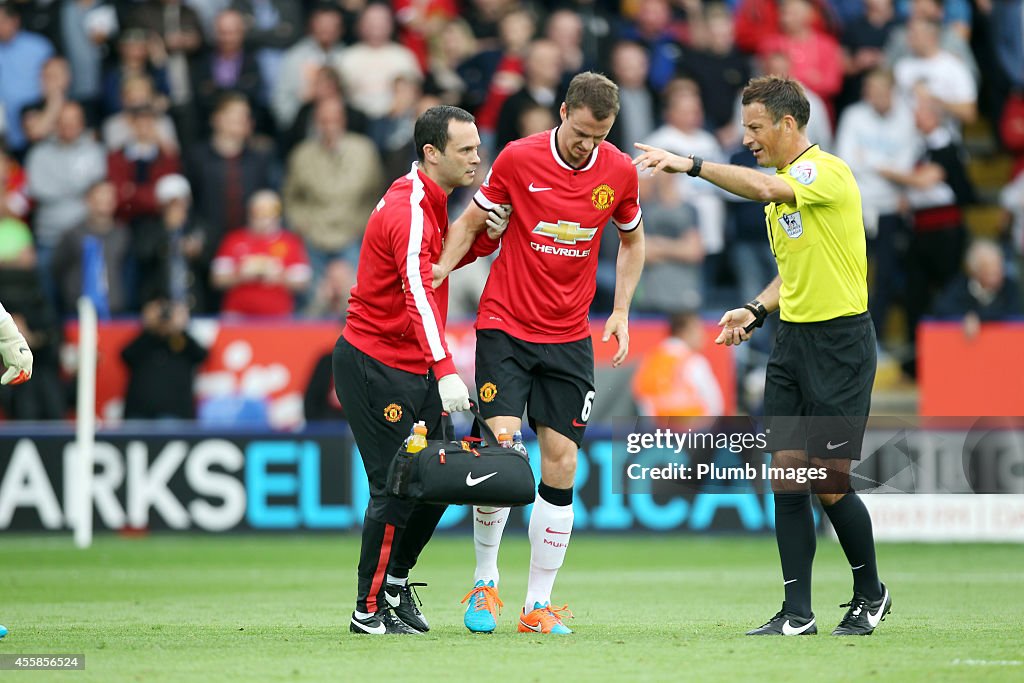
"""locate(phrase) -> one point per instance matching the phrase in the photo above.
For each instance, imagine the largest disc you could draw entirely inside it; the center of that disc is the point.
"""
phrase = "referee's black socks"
(794, 532)
(852, 523)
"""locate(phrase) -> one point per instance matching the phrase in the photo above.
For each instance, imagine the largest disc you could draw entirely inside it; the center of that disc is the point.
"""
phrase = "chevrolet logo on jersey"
(565, 232)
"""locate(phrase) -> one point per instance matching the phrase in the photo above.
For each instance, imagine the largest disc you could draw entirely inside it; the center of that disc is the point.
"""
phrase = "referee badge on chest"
(792, 224)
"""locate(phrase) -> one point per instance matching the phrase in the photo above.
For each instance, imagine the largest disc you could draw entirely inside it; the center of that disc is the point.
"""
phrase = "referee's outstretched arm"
(740, 180)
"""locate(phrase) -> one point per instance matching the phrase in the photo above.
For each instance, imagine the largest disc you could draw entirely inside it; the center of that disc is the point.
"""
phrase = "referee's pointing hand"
(657, 159)
(733, 324)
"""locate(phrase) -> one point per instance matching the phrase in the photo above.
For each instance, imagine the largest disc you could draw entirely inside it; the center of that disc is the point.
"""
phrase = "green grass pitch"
(648, 608)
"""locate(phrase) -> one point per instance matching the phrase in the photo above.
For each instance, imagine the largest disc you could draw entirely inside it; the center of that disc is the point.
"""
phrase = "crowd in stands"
(223, 155)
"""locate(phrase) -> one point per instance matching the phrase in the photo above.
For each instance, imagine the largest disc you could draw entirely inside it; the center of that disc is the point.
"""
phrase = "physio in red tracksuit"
(392, 366)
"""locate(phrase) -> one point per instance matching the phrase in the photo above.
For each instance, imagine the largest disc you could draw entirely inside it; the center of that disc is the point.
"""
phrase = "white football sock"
(550, 528)
(395, 581)
(488, 525)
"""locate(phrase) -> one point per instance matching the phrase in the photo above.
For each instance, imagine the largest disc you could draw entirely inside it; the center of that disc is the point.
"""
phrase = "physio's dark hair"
(593, 91)
(780, 96)
(432, 126)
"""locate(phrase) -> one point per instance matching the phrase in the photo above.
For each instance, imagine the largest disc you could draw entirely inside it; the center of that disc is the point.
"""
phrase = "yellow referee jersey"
(819, 241)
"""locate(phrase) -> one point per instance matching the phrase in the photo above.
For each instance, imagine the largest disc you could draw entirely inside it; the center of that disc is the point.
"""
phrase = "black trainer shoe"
(403, 599)
(787, 624)
(864, 616)
(381, 623)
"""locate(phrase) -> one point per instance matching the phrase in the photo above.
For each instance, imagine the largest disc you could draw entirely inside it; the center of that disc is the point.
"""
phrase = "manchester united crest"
(393, 413)
(488, 391)
(602, 196)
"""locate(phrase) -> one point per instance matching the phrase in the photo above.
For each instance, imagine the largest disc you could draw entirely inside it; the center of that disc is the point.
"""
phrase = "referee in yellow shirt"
(820, 373)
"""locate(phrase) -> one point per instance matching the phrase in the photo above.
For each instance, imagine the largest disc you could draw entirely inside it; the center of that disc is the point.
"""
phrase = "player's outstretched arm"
(14, 351)
(628, 267)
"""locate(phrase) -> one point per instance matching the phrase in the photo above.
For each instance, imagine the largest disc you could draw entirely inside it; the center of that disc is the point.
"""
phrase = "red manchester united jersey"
(543, 281)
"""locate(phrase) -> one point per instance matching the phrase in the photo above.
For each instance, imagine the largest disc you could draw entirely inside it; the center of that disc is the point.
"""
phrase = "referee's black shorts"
(553, 382)
(818, 387)
(382, 404)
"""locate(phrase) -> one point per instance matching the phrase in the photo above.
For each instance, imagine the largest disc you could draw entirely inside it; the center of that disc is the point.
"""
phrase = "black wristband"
(698, 163)
(760, 313)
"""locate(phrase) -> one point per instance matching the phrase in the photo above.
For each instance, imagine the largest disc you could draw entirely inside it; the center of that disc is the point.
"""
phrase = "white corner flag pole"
(85, 423)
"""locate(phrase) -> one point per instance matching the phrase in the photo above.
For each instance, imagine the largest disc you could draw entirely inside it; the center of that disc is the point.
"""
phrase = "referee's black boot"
(383, 622)
(787, 624)
(403, 599)
(864, 616)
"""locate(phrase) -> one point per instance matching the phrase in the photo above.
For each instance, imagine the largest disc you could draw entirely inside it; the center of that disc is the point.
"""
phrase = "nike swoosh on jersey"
(788, 630)
(538, 189)
(378, 630)
(577, 423)
(473, 481)
(832, 446)
(876, 618)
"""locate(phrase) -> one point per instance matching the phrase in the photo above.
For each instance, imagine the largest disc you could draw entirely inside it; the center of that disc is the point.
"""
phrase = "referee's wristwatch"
(698, 163)
(760, 313)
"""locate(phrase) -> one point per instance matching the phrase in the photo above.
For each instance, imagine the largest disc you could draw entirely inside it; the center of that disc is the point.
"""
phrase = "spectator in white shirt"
(930, 71)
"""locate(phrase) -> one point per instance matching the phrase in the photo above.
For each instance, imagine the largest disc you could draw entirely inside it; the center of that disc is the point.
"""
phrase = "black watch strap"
(698, 163)
(760, 313)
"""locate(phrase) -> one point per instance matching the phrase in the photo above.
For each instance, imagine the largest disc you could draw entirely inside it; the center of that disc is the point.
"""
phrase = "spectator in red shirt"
(135, 168)
(261, 267)
(815, 57)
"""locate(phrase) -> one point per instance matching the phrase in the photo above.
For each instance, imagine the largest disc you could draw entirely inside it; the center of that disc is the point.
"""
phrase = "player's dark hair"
(595, 92)
(780, 96)
(432, 126)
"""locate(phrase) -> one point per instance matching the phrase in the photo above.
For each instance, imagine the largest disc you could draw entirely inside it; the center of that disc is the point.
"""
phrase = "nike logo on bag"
(552, 531)
(538, 189)
(393, 601)
(832, 446)
(788, 630)
(473, 481)
(876, 618)
(378, 630)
